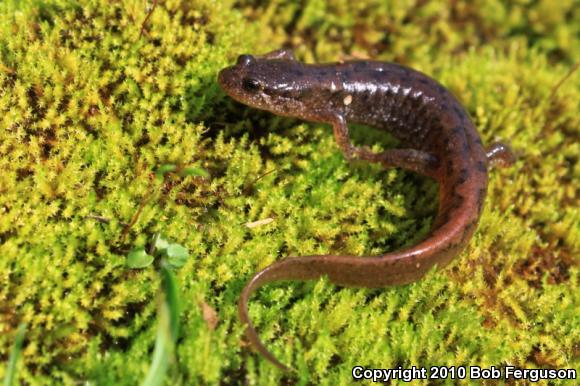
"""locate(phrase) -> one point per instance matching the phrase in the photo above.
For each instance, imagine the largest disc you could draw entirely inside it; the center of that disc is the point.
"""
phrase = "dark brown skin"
(440, 142)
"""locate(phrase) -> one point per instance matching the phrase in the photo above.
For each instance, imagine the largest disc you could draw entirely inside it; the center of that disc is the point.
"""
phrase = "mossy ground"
(89, 109)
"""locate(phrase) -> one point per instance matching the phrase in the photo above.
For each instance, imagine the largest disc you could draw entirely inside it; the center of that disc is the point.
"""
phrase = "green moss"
(89, 111)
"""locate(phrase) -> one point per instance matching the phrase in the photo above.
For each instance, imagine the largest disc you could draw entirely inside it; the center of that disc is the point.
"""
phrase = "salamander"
(437, 137)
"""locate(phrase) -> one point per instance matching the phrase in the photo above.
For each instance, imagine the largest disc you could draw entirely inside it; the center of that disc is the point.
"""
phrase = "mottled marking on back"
(460, 113)
(463, 176)
(457, 131)
(465, 149)
(450, 166)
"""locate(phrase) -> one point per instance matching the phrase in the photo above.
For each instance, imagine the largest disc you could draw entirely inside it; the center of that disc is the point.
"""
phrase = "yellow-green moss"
(89, 109)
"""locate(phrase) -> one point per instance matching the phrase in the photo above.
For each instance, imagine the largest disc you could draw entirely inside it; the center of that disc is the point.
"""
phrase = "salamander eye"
(251, 84)
(245, 60)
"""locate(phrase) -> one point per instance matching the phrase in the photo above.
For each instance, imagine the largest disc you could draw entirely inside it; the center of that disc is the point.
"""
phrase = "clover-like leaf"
(138, 258)
(176, 255)
(160, 243)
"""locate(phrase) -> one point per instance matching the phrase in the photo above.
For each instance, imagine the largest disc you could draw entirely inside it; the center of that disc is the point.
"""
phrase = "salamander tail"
(271, 273)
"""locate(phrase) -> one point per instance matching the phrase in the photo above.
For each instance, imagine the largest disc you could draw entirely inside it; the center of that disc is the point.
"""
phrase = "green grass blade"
(172, 299)
(161, 355)
(167, 329)
(10, 376)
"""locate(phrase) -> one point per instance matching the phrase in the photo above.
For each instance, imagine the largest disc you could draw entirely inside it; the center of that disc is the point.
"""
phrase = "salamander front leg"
(340, 129)
(500, 154)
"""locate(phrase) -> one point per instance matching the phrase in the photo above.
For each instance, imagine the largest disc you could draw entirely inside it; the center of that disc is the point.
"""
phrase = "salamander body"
(439, 140)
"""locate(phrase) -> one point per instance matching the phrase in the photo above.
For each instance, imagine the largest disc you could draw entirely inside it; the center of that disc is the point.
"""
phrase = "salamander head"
(276, 85)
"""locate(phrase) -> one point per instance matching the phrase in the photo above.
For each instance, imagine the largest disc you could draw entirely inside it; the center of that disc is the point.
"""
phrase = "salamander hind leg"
(500, 154)
(410, 159)
(416, 161)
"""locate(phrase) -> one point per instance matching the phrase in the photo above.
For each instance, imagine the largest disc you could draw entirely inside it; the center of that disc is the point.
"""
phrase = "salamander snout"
(242, 80)
(225, 78)
(230, 77)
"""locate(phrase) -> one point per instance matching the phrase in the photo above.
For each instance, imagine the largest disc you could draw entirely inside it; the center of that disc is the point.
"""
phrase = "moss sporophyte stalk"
(97, 98)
